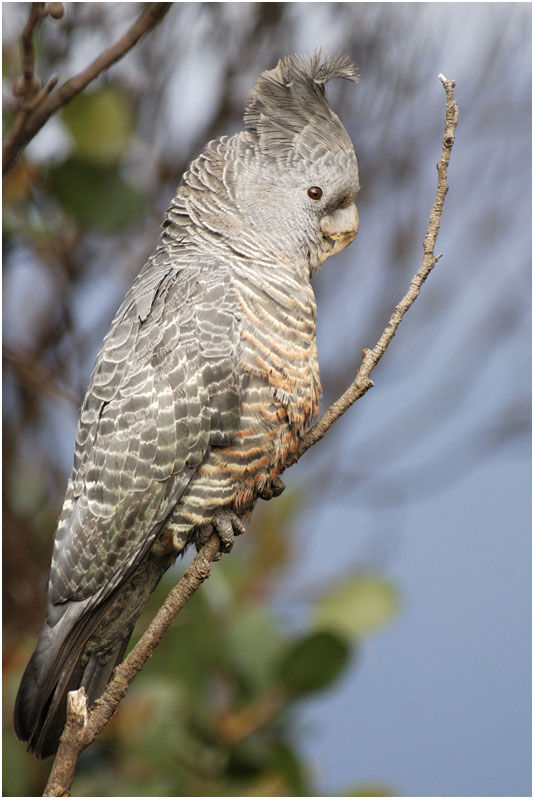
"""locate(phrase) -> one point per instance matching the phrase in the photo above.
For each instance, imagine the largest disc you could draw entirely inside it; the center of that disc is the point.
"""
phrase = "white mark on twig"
(77, 704)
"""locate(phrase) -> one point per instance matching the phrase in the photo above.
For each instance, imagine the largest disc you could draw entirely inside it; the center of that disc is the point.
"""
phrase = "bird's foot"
(272, 489)
(227, 525)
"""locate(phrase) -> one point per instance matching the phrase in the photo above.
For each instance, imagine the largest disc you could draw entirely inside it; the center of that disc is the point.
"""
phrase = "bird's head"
(283, 190)
(302, 178)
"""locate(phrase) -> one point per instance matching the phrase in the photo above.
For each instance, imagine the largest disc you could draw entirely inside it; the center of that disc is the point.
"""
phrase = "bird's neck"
(211, 215)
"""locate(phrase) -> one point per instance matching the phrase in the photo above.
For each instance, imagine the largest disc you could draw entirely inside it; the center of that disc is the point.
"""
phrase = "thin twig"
(78, 733)
(29, 121)
(362, 381)
(29, 84)
(26, 88)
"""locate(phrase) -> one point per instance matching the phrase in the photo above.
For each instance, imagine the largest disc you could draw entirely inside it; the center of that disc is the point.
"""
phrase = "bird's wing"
(165, 388)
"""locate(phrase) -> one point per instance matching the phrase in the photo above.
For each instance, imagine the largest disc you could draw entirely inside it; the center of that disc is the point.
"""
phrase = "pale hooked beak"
(339, 229)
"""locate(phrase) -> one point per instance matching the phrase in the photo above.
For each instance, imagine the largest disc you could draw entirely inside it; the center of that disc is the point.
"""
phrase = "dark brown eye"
(315, 192)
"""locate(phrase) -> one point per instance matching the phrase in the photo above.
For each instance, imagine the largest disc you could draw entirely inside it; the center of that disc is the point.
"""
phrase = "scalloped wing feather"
(164, 389)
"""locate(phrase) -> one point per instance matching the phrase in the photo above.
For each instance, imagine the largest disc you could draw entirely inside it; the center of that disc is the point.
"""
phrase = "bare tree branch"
(32, 115)
(362, 381)
(83, 727)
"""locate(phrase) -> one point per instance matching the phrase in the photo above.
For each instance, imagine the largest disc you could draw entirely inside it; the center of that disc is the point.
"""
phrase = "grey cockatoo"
(205, 382)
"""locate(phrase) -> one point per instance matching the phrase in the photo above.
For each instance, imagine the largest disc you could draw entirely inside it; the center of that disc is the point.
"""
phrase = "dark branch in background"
(37, 105)
(83, 726)
(35, 376)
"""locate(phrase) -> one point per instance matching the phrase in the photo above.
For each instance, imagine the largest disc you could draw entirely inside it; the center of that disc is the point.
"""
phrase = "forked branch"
(36, 105)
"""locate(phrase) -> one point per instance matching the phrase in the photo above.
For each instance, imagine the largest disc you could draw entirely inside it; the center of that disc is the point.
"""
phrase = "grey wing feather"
(165, 388)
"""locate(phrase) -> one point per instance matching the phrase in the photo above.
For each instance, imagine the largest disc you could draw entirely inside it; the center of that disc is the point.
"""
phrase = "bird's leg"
(227, 525)
(272, 489)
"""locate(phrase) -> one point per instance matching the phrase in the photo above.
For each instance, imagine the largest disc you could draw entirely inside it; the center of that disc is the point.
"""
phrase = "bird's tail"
(79, 645)
(59, 665)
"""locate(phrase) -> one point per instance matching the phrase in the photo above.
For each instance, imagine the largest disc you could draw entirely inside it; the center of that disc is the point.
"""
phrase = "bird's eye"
(315, 192)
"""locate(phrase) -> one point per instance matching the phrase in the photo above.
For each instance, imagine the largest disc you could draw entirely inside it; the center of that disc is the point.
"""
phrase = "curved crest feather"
(288, 103)
(316, 68)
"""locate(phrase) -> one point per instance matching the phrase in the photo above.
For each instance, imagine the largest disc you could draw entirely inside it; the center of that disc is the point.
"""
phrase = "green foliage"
(96, 195)
(88, 188)
(314, 662)
(89, 185)
(100, 123)
(357, 605)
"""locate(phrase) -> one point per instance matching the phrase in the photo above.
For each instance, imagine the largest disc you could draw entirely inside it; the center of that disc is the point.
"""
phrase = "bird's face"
(306, 213)
(333, 219)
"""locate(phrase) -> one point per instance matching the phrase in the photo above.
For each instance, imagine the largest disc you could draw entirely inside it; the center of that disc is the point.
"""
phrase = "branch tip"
(446, 82)
(52, 82)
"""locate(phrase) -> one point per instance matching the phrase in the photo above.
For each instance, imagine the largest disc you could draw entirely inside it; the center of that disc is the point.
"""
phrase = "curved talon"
(227, 525)
(277, 487)
(273, 489)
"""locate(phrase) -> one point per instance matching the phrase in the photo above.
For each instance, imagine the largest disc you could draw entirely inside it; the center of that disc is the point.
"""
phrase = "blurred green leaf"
(253, 643)
(100, 122)
(357, 606)
(287, 763)
(314, 662)
(96, 196)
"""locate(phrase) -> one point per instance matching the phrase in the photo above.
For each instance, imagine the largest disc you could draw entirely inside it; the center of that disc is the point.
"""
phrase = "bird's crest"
(288, 106)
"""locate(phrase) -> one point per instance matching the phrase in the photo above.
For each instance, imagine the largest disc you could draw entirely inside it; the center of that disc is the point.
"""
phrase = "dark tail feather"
(56, 668)
(39, 714)
(80, 649)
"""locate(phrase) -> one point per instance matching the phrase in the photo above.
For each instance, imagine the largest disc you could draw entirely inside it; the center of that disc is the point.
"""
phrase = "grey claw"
(277, 487)
(273, 489)
(227, 525)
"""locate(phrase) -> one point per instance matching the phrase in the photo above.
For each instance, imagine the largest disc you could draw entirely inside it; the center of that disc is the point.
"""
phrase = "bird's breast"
(278, 346)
